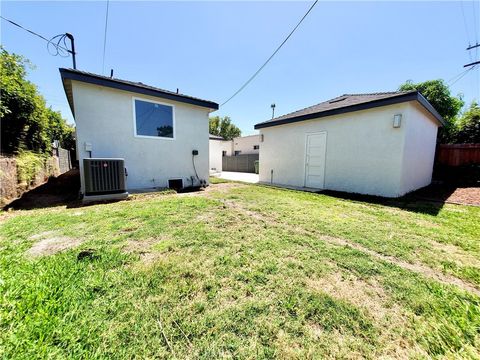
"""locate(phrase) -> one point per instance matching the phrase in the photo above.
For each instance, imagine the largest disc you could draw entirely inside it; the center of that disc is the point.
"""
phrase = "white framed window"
(153, 119)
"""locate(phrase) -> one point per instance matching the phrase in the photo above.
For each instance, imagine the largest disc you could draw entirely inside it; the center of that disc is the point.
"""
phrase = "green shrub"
(28, 166)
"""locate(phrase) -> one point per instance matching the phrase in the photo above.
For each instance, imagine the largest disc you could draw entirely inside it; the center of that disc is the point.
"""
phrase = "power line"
(58, 50)
(475, 28)
(465, 22)
(271, 56)
(467, 32)
(105, 38)
(459, 76)
(49, 41)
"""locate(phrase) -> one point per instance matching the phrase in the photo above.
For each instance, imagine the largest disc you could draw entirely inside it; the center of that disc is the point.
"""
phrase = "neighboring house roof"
(215, 137)
(136, 87)
(351, 102)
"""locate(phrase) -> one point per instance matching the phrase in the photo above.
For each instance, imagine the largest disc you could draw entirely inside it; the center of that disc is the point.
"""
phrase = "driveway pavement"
(239, 176)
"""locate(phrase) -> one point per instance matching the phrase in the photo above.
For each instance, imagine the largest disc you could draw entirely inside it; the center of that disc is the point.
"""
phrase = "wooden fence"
(240, 163)
(458, 154)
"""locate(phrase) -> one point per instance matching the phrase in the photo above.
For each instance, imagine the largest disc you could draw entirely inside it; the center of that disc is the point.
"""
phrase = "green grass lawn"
(241, 271)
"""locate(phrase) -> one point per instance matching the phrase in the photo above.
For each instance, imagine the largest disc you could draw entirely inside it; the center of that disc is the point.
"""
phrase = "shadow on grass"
(62, 191)
(410, 202)
(430, 199)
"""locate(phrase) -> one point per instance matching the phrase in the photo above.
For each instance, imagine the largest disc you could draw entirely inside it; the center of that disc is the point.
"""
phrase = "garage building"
(377, 144)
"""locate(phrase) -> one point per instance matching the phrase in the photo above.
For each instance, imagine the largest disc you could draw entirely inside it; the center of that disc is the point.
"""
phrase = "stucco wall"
(419, 149)
(215, 155)
(245, 144)
(364, 152)
(104, 118)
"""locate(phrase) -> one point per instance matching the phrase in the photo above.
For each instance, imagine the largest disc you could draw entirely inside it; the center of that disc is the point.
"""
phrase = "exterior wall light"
(397, 120)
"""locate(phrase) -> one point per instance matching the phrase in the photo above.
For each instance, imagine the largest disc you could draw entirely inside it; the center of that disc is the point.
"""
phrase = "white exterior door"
(316, 147)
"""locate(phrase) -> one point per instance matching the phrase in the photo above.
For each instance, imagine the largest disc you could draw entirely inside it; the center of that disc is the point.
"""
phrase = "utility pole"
(470, 47)
(472, 64)
(473, 46)
(273, 110)
(72, 42)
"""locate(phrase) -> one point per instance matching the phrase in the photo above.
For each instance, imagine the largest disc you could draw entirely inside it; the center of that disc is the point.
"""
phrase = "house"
(161, 135)
(245, 145)
(377, 144)
(219, 148)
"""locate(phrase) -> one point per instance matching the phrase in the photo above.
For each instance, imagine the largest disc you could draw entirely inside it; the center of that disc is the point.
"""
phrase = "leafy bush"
(28, 166)
(448, 106)
(26, 121)
(468, 128)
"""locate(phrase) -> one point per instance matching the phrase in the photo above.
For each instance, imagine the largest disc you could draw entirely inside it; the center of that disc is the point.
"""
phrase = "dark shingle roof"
(348, 103)
(136, 87)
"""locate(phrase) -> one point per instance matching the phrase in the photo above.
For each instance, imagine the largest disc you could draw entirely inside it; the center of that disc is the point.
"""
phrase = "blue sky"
(208, 49)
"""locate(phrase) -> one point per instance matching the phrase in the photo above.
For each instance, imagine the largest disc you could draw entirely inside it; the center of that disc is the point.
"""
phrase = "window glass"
(152, 119)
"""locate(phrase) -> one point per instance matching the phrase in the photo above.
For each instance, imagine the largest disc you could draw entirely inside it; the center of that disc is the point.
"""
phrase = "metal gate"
(240, 163)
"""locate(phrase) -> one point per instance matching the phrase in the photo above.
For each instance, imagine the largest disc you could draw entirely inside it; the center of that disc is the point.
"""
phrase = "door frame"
(306, 153)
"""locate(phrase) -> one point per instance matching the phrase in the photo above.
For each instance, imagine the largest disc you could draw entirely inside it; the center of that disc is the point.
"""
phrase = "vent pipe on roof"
(177, 90)
(111, 73)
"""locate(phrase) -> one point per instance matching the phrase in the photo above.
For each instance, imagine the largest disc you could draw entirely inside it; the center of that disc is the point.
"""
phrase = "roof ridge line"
(326, 101)
(323, 109)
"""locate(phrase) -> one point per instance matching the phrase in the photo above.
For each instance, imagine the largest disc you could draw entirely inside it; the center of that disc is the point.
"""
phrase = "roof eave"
(412, 96)
(424, 102)
(91, 79)
(67, 87)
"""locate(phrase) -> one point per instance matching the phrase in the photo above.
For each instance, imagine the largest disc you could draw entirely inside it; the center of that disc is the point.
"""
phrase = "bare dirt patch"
(144, 249)
(138, 246)
(241, 208)
(48, 243)
(220, 188)
(370, 296)
(415, 267)
(457, 254)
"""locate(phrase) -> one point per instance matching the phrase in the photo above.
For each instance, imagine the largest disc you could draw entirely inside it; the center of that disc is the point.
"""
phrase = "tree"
(223, 126)
(59, 129)
(438, 94)
(26, 122)
(468, 129)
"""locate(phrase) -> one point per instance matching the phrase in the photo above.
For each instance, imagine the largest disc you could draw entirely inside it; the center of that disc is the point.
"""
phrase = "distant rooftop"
(348, 103)
(215, 137)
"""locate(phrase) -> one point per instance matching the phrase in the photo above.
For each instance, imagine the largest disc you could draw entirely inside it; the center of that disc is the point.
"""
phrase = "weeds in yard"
(239, 271)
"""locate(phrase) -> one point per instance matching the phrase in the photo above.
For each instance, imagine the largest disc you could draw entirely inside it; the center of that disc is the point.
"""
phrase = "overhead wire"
(271, 56)
(467, 32)
(50, 42)
(457, 78)
(475, 28)
(58, 49)
(105, 37)
(33, 32)
(477, 31)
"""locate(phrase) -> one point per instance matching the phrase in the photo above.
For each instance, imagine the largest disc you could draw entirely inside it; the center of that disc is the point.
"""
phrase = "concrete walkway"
(239, 176)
